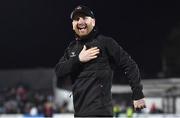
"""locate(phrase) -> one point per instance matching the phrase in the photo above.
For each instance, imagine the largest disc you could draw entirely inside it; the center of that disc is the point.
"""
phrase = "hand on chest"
(78, 47)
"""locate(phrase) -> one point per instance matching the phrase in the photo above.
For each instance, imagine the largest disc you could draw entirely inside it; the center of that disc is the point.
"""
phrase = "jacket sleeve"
(122, 59)
(66, 65)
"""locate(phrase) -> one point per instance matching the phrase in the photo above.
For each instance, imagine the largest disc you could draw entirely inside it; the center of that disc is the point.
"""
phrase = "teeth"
(81, 26)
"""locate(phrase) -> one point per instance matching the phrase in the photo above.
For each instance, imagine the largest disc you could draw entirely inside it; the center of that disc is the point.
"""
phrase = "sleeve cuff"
(137, 94)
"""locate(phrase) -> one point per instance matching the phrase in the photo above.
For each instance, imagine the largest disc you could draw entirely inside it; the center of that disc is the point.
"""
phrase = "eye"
(76, 18)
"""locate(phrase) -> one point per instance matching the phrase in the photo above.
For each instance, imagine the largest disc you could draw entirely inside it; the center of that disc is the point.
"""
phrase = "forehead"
(80, 15)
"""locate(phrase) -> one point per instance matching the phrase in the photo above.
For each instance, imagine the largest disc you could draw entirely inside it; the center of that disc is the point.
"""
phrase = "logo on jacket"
(72, 54)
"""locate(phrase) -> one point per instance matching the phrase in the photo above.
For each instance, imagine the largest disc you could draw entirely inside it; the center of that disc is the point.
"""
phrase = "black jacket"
(93, 80)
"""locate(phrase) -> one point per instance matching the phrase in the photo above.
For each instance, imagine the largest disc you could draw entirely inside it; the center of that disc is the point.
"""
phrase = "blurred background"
(35, 33)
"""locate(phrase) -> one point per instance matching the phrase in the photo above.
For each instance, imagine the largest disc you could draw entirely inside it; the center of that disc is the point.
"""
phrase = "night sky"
(34, 33)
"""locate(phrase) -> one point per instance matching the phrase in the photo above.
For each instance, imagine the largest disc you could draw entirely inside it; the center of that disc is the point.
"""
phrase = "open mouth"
(81, 27)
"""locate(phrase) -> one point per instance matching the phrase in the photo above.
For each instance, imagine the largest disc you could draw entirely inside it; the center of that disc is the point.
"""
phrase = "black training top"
(92, 81)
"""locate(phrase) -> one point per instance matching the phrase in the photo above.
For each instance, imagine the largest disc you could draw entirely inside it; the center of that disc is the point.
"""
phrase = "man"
(88, 61)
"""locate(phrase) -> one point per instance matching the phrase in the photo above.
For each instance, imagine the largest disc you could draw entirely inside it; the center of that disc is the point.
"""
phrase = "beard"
(83, 30)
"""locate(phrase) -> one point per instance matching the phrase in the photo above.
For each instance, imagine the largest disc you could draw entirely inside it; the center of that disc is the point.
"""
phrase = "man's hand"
(88, 54)
(139, 104)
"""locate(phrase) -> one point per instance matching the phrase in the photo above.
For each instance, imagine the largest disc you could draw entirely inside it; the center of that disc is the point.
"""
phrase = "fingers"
(93, 57)
(139, 104)
(84, 48)
(88, 54)
(93, 48)
(93, 51)
(90, 49)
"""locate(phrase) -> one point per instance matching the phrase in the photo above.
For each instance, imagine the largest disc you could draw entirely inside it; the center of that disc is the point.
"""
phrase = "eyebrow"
(75, 18)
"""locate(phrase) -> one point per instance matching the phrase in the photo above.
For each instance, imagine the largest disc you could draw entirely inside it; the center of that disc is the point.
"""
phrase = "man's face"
(83, 25)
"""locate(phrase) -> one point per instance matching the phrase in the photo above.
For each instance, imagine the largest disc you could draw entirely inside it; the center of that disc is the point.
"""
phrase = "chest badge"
(72, 54)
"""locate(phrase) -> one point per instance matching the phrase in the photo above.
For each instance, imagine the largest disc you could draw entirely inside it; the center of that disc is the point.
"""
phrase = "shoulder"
(105, 39)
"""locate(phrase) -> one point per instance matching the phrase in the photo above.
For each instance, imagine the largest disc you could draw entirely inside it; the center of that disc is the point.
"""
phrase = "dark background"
(34, 33)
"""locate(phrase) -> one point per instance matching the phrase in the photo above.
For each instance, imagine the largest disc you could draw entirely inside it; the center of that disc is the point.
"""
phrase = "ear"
(73, 25)
(93, 22)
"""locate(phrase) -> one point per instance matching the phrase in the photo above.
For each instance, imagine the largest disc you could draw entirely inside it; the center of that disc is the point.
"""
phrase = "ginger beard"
(83, 25)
